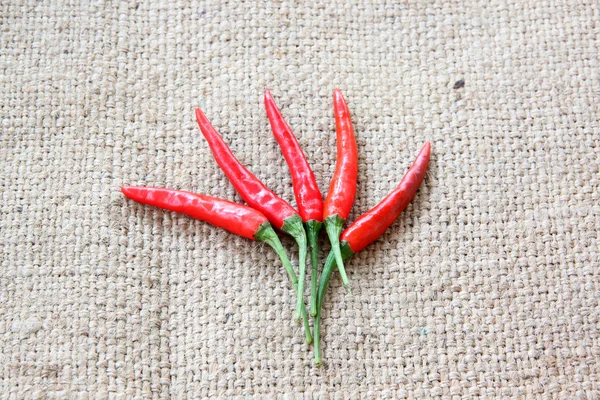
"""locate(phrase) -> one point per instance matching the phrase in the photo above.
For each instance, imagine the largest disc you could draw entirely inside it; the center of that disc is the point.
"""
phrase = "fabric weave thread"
(486, 287)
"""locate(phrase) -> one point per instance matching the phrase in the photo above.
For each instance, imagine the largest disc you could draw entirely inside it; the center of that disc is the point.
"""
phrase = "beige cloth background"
(486, 287)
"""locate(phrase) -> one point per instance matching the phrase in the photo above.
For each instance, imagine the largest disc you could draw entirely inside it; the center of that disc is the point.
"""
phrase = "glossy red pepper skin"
(369, 226)
(236, 218)
(342, 189)
(279, 212)
(252, 190)
(306, 190)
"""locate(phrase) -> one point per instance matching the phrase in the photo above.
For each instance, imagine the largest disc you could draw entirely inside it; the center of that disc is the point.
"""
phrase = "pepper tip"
(338, 97)
(426, 150)
(125, 190)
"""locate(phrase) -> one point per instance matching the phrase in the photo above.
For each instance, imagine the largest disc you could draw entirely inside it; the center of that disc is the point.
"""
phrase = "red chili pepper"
(236, 218)
(369, 226)
(342, 189)
(281, 214)
(306, 190)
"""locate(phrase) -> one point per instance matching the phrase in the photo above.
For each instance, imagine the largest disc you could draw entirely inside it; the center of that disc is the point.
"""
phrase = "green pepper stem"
(333, 226)
(346, 252)
(267, 235)
(293, 226)
(313, 227)
(318, 360)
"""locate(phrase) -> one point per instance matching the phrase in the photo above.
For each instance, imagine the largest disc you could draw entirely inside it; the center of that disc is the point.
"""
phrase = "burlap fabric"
(486, 287)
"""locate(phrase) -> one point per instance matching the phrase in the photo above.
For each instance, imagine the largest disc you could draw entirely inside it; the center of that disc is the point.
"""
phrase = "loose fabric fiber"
(487, 286)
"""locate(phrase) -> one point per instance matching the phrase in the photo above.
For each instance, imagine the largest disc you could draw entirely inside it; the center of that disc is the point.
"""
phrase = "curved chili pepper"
(236, 218)
(279, 212)
(369, 226)
(306, 190)
(342, 189)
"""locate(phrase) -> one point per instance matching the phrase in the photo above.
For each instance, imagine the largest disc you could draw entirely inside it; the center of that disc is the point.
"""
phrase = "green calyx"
(333, 226)
(294, 227)
(346, 252)
(313, 227)
(266, 234)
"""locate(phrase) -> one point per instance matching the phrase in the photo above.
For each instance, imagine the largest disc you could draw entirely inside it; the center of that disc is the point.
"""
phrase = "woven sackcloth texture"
(487, 286)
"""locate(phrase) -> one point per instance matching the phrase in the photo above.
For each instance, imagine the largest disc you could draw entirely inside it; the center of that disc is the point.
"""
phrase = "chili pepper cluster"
(266, 209)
